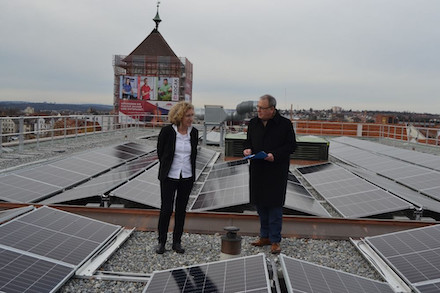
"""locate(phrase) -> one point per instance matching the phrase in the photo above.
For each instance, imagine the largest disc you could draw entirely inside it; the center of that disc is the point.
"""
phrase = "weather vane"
(157, 19)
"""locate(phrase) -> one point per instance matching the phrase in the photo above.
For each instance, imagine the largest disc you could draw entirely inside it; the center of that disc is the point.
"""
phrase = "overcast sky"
(357, 54)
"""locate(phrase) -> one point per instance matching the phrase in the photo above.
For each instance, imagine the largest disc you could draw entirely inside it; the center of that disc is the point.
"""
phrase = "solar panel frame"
(20, 189)
(243, 274)
(303, 277)
(422, 159)
(81, 166)
(144, 189)
(26, 273)
(375, 164)
(106, 182)
(56, 234)
(398, 189)
(299, 199)
(414, 254)
(350, 195)
(53, 175)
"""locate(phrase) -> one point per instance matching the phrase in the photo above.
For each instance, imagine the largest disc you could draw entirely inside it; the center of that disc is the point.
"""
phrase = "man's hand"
(247, 152)
(269, 157)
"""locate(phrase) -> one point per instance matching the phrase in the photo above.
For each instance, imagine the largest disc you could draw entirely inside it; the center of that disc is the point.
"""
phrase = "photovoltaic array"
(245, 274)
(350, 195)
(41, 249)
(145, 188)
(34, 184)
(426, 160)
(420, 178)
(105, 182)
(410, 195)
(227, 185)
(414, 254)
(305, 277)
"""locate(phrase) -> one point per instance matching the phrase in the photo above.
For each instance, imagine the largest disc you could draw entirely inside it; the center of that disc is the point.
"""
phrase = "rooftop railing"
(18, 132)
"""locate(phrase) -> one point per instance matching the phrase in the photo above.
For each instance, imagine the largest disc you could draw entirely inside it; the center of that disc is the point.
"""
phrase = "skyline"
(363, 55)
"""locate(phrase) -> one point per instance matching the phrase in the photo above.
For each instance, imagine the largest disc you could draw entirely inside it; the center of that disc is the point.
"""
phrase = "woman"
(177, 151)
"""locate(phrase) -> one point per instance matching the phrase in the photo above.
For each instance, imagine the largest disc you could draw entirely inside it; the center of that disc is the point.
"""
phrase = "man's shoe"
(261, 242)
(275, 248)
(160, 248)
(177, 247)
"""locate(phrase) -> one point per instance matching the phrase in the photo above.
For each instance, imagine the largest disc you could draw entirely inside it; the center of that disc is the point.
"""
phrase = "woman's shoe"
(177, 247)
(160, 248)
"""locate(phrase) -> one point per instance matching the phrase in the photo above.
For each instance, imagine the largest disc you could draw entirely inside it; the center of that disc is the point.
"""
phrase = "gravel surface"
(137, 256)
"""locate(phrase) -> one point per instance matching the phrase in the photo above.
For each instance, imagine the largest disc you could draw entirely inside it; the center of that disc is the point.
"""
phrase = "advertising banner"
(168, 89)
(146, 98)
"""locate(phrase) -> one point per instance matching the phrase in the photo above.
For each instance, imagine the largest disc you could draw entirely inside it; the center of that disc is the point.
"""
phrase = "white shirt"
(182, 156)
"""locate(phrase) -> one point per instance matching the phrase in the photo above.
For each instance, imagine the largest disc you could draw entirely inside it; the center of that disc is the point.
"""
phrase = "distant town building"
(29, 111)
(151, 79)
(8, 125)
(386, 119)
(336, 109)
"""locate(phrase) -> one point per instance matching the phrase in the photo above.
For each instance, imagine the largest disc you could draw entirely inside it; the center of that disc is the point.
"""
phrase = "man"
(165, 91)
(273, 134)
(145, 90)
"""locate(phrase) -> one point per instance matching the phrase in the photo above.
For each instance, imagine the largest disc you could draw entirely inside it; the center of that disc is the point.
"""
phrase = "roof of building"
(154, 44)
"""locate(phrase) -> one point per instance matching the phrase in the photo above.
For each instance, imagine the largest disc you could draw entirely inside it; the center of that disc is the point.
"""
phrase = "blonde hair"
(178, 111)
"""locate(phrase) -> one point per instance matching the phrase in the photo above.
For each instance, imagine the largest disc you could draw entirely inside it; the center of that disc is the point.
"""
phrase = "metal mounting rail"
(211, 223)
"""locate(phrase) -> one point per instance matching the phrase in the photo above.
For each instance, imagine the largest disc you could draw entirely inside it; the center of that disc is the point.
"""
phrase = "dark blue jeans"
(271, 221)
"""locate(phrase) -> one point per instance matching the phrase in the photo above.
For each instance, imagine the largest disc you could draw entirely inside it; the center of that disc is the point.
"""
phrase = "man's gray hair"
(272, 101)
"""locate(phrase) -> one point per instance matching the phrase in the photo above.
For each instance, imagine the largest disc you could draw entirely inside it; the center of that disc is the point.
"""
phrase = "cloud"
(365, 54)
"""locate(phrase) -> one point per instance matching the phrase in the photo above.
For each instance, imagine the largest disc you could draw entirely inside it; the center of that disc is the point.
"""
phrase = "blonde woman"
(177, 151)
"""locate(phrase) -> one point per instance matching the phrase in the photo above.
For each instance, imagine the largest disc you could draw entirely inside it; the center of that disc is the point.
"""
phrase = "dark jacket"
(268, 180)
(166, 146)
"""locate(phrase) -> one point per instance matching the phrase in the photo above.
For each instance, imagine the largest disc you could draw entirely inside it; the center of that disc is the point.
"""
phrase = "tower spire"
(157, 19)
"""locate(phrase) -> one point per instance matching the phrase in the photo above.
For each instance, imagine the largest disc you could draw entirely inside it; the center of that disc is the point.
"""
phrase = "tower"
(151, 78)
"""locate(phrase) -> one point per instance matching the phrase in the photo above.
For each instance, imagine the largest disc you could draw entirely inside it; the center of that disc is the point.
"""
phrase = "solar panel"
(204, 156)
(24, 273)
(15, 188)
(80, 166)
(226, 185)
(56, 234)
(114, 152)
(414, 254)
(402, 191)
(422, 159)
(303, 277)
(419, 178)
(245, 274)
(102, 157)
(350, 195)
(134, 151)
(106, 182)
(144, 189)
(53, 175)
(9, 214)
(299, 199)
(143, 147)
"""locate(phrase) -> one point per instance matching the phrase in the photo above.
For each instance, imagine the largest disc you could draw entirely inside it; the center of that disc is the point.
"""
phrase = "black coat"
(166, 146)
(268, 180)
